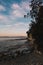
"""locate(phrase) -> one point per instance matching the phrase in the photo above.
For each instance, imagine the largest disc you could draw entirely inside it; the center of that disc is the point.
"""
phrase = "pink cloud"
(17, 13)
(2, 8)
(4, 19)
(26, 5)
(19, 10)
(15, 6)
(1, 17)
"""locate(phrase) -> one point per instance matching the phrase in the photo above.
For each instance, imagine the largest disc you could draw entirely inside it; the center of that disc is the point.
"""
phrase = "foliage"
(36, 27)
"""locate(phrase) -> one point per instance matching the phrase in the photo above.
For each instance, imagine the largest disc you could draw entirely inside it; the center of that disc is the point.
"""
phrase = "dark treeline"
(36, 26)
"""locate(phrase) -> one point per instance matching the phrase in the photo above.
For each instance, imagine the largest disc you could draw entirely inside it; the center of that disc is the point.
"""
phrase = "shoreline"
(28, 59)
(12, 39)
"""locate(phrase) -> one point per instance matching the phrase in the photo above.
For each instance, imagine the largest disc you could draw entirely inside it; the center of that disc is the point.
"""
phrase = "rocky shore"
(24, 55)
(25, 59)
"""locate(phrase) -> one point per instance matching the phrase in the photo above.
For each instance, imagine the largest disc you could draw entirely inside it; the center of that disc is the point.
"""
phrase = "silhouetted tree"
(36, 27)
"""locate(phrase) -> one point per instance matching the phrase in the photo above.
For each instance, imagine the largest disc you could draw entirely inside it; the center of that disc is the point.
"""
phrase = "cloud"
(19, 10)
(15, 29)
(2, 8)
(18, 13)
(14, 23)
(1, 17)
(26, 5)
(15, 6)
(4, 20)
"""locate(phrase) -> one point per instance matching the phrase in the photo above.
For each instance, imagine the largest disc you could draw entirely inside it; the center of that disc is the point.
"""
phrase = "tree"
(36, 27)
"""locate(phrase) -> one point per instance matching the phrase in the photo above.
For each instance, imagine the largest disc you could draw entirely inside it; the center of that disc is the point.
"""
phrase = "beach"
(17, 52)
(8, 43)
(28, 59)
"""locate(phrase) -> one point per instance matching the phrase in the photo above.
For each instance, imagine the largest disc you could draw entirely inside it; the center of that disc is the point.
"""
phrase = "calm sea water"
(1, 39)
(6, 43)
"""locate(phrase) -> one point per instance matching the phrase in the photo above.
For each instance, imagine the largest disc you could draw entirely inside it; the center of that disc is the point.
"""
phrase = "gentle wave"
(7, 43)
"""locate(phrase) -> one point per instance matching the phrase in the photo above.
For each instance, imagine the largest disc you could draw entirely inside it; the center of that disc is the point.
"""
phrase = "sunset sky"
(12, 21)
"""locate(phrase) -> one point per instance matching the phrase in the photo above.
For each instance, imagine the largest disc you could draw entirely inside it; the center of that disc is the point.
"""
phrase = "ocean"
(6, 43)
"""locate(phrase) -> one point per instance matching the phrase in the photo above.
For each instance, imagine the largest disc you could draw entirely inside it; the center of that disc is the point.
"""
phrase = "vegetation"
(36, 26)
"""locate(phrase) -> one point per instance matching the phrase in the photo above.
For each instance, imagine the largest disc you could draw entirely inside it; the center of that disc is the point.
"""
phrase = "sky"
(12, 21)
